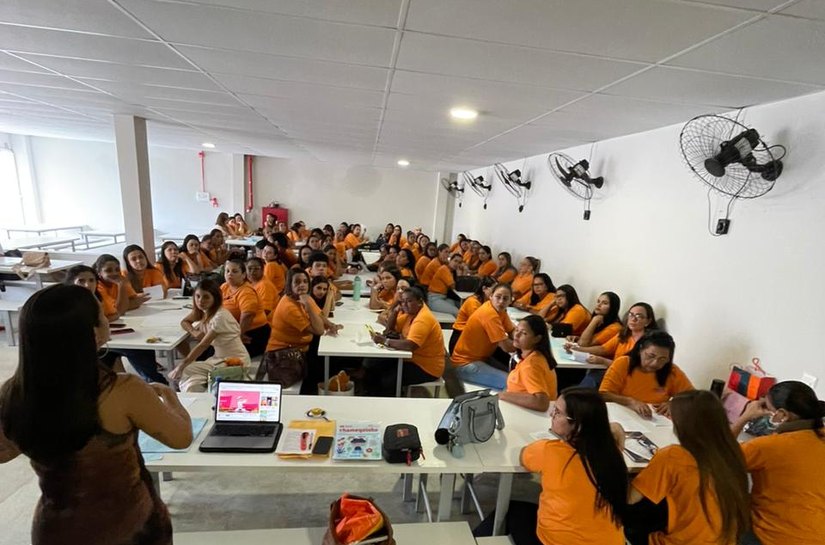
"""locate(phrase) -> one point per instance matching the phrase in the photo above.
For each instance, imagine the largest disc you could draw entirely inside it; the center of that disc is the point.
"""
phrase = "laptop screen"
(248, 402)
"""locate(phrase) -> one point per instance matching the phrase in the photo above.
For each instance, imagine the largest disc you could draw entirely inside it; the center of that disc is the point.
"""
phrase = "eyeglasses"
(636, 316)
(555, 412)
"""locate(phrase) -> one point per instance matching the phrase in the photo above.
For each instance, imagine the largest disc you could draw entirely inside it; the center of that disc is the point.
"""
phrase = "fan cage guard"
(701, 138)
(517, 191)
(478, 189)
(578, 188)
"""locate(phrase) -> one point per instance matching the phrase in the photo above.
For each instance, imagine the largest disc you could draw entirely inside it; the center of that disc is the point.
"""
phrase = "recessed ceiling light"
(208, 145)
(464, 114)
(403, 163)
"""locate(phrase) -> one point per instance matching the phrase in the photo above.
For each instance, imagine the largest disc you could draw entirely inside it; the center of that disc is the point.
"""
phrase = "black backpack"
(401, 444)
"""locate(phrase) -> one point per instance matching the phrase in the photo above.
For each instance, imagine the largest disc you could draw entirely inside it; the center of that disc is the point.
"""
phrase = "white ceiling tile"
(78, 15)
(8, 62)
(39, 80)
(645, 30)
(265, 33)
(506, 63)
(693, 87)
(813, 9)
(146, 94)
(756, 51)
(302, 93)
(365, 12)
(216, 61)
(634, 109)
(753, 5)
(88, 46)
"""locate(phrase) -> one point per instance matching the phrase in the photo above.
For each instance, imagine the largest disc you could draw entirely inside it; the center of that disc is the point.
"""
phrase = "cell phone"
(322, 445)
(121, 331)
(116, 326)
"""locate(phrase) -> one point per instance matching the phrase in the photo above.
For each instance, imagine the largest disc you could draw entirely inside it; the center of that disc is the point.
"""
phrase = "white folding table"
(39, 242)
(247, 242)
(154, 320)
(102, 234)
(7, 265)
(41, 228)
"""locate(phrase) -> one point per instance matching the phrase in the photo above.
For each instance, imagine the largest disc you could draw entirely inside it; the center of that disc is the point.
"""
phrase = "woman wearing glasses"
(646, 376)
(583, 479)
(540, 298)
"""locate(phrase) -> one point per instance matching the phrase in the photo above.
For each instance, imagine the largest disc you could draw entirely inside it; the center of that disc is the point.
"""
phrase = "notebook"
(247, 418)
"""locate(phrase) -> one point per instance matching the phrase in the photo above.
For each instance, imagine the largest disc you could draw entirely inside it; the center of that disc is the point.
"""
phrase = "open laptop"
(247, 418)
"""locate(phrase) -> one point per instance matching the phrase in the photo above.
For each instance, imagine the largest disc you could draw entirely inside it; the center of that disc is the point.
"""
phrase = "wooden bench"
(454, 533)
(6, 310)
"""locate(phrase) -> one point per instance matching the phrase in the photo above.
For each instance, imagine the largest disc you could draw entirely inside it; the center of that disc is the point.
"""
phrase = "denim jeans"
(483, 374)
(593, 378)
(442, 303)
(749, 539)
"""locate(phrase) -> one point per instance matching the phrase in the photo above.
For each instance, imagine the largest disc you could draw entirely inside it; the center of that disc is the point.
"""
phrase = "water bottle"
(356, 289)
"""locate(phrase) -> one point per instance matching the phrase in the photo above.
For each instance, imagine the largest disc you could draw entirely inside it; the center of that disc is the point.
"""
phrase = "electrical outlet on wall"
(809, 379)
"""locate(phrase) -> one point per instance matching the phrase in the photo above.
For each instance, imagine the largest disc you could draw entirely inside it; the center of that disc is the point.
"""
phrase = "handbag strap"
(472, 426)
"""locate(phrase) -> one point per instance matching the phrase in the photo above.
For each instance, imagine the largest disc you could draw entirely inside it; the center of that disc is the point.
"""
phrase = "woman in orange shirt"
(383, 292)
(567, 309)
(218, 251)
(788, 494)
(488, 328)
(469, 306)
(486, 265)
(540, 298)
(397, 236)
(640, 318)
(266, 290)
(114, 289)
(239, 226)
(430, 253)
(441, 258)
(646, 376)
(172, 267)
(191, 254)
(583, 479)
(241, 300)
(336, 268)
(532, 383)
(274, 269)
(139, 272)
(441, 287)
(405, 261)
(703, 479)
(604, 323)
(222, 224)
(522, 283)
(505, 273)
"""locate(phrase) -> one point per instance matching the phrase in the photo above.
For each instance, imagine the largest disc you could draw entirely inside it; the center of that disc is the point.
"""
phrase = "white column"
(135, 191)
(444, 207)
(238, 184)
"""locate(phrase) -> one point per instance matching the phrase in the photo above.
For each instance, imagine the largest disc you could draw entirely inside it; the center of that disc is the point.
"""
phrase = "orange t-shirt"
(522, 283)
(788, 494)
(578, 317)
(387, 296)
(545, 301)
(267, 294)
(175, 281)
(416, 251)
(484, 330)
(468, 307)
(351, 241)
(243, 299)
(406, 272)
(567, 505)
(341, 248)
(276, 274)
(290, 325)
(508, 276)
(608, 333)
(425, 331)
(455, 247)
(673, 474)
(151, 277)
(421, 264)
(643, 386)
(442, 280)
(616, 348)
(108, 295)
(470, 259)
(429, 272)
(532, 375)
(488, 268)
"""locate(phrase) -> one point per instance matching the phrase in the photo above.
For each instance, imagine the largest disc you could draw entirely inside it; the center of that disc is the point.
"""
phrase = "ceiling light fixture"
(208, 145)
(403, 163)
(464, 114)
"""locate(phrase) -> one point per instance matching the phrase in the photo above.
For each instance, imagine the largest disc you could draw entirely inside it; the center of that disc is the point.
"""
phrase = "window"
(11, 200)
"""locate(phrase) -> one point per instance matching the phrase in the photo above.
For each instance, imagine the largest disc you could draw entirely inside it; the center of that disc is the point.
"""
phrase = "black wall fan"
(575, 177)
(454, 188)
(514, 184)
(731, 159)
(477, 184)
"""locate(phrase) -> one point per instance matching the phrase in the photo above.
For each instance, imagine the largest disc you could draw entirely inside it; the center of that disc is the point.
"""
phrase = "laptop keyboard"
(245, 430)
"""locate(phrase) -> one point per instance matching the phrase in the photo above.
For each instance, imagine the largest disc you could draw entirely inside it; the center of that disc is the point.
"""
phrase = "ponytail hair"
(800, 399)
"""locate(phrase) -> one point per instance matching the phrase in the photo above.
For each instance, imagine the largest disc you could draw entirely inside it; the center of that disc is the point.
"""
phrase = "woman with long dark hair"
(505, 272)
(78, 421)
(788, 494)
(139, 272)
(527, 268)
(703, 478)
(646, 376)
(541, 296)
(583, 479)
(469, 306)
(567, 309)
(172, 267)
(605, 322)
(405, 261)
(532, 382)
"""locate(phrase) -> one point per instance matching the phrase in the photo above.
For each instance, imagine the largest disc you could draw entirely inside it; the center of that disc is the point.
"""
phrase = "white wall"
(320, 193)
(78, 182)
(758, 291)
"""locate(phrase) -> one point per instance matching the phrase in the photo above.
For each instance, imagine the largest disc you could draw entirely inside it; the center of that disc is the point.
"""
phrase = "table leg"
(170, 359)
(38, 281)
(445, 500)
(398, 377)
(155, 481)
(9, 327)
(505, 487)
(326, 375)
(406, 492)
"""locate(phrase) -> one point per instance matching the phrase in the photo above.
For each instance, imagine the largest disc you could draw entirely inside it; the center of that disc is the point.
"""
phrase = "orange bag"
(353, 519)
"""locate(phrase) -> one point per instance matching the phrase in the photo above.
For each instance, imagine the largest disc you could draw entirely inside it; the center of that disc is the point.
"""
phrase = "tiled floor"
(243, 499)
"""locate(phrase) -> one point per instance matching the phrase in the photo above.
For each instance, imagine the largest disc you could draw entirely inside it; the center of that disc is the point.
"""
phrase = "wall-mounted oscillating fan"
(575, 178)
(454, 188)
(514, 184)
(478, 186)
(730, 158)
